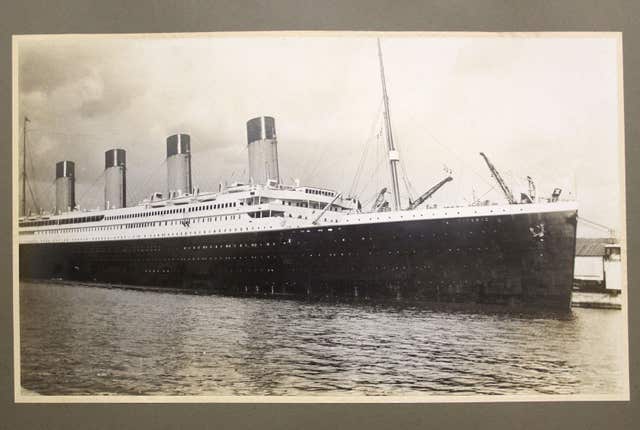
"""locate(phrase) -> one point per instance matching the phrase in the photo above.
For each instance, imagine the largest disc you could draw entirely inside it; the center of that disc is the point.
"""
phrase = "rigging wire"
(356, 177)
(405, 178)
(211, 182)
(95, 181)
(27, 177)
(147, 180)
(514, 178)
(597, 225)
(29, 183)
(491, 188)
(317, 162)
(51, 201)
(33, 198)
(360, 169)
(305, 173)
(375, 126)
(374, 178)
(455, 153)
(196, 150)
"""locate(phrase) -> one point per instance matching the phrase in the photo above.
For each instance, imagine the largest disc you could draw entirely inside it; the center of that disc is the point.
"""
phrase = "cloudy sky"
(546, 107)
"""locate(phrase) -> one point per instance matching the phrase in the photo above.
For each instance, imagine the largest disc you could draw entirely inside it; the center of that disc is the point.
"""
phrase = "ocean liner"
(264, 237)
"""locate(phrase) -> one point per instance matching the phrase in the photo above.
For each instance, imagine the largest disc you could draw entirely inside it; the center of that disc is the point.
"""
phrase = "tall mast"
(394, 157)
(24, 166)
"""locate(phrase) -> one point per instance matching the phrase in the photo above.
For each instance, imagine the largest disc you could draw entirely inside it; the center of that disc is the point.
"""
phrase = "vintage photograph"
(330, 216)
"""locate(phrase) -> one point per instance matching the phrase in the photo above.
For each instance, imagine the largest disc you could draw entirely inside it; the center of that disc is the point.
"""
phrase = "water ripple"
(83, 340)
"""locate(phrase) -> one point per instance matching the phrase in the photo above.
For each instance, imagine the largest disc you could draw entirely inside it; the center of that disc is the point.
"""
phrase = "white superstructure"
(239, 209)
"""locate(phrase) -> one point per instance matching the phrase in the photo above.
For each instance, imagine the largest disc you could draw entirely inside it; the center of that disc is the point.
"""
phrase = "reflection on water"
(84, 340)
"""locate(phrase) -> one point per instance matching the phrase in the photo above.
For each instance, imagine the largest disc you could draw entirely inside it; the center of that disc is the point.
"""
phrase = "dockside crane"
(379, 202)
(531, 196)
(431, 191)
(532, 188)
(496, 175)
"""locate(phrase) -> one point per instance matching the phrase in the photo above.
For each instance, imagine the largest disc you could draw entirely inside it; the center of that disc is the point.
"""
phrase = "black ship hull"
(523, 259)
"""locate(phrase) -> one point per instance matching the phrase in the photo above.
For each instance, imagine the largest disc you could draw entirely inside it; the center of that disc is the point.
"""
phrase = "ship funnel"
(263, 150)
(65, 186)
(115, 179)
(178, 165)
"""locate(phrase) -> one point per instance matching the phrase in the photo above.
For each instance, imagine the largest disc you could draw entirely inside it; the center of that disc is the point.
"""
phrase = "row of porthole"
(434, 235)
(383, 267)
(172, 211)
(225, 258)
(169, 259)
(414, 216)
(132, 225)
(230, 230)
(330, 254)
(143, 225)
(210, 258)
(236, 245)
(158, 235)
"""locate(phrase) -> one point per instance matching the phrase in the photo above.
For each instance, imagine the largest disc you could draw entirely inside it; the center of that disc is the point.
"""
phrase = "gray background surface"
(118, 16)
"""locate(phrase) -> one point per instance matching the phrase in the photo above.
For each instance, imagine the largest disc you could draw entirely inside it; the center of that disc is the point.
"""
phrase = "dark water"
(84, 340)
